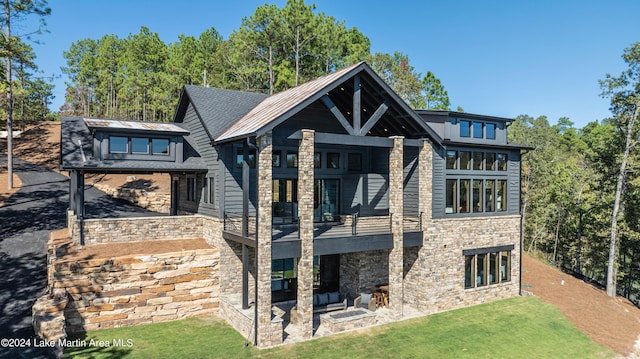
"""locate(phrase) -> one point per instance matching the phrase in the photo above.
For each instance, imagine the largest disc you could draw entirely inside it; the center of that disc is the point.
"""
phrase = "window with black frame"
(487, 268)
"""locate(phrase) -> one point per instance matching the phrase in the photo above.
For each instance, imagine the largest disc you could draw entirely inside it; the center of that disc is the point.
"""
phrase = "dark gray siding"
(513, 184)
(438, 178)
(210, 156)
(233, 183)
(411, 180)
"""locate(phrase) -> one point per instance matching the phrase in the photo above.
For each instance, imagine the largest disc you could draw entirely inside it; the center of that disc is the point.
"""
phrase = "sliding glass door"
(326, 200)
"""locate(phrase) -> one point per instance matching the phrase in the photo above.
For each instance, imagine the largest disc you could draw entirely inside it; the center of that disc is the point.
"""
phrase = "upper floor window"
(476, 160)
(118, 144)
(490, 131)
(139, 145)
(251, 160)
(477, 129)
(465, 128)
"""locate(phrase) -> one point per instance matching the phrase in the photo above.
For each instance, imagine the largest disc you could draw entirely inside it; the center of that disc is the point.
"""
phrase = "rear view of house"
(325, 192)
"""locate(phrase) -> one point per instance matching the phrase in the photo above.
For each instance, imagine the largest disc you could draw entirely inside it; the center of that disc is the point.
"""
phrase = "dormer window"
(477, 129)
(138, 145)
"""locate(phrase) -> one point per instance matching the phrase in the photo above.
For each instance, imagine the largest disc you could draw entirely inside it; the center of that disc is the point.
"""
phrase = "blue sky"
(494, 57)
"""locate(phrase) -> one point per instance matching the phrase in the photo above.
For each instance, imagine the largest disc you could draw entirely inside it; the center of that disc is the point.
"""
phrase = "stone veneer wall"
(434, 273)
(136, 289)
(111, 230)
(360, 272)
(153, 201)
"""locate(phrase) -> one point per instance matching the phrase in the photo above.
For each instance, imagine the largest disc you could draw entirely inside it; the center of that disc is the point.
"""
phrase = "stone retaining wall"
(153, 201)
(242, 321)
(136, 289)
(111, 230)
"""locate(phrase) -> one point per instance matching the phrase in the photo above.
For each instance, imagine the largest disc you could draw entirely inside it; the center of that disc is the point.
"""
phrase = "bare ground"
(613, 322)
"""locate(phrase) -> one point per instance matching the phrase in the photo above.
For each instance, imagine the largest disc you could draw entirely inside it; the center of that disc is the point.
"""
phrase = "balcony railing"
(344, 226)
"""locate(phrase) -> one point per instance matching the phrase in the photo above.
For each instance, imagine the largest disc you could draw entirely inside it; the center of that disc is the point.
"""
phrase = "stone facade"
(396, 204)
(360, 272)
(305, 208)
(112, 230)
(265, 337)
(434, 273)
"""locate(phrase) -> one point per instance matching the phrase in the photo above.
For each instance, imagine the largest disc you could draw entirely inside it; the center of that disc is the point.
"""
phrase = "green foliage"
(488, 330)
(274, 49)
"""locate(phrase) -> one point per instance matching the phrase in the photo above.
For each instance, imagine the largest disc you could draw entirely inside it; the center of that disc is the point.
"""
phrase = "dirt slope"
(613, 322)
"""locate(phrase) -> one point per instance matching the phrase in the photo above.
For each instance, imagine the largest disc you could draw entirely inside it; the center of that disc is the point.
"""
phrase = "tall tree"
(624, 92)
(16, 11)
(433, 93)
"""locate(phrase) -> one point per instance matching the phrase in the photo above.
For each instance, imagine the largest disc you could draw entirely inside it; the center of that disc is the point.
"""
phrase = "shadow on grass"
(86, 346)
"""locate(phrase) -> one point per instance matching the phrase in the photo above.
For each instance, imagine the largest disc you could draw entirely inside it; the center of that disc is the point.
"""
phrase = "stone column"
(264, 237)
(425, 184)
(396, 204)
(305, 218)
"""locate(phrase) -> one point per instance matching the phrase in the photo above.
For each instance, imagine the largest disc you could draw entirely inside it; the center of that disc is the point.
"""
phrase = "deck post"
(396, 205)
(305, 215)
(264, 337)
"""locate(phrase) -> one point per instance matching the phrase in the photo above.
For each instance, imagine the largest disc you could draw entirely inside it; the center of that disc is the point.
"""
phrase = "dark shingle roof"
(218, 109)
(76, 152)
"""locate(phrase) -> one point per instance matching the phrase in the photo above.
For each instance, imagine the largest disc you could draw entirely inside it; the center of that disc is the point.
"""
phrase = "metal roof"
(134, 125)
(278, 104)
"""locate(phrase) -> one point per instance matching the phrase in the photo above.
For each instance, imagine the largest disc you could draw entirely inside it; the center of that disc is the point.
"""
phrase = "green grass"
(523, 327)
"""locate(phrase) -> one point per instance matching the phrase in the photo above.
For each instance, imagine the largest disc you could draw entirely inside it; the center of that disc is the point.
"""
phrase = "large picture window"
(475, 195)
(487, 268)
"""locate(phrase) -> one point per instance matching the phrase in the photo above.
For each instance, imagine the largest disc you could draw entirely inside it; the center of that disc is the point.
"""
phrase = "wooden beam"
(336, 112)
(374, 118)
(357, 107)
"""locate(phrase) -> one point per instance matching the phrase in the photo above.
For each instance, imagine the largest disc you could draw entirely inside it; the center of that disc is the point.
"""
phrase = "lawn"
(523, 327)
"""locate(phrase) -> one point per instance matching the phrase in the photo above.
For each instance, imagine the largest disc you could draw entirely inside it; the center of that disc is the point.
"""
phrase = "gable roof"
(218, 109)
(277, 108)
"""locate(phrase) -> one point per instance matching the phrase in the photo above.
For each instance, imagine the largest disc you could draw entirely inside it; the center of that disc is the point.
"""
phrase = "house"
(333, 186)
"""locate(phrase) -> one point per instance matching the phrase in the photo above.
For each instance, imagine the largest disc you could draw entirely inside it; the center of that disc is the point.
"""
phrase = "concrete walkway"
(26, 219)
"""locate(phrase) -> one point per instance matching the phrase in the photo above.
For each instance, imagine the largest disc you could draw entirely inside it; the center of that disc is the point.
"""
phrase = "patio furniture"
(366, 301)
(322, 303)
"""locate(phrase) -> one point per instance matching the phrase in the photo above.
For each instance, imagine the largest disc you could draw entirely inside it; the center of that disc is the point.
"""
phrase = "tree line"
(140, 77)
(581, 187)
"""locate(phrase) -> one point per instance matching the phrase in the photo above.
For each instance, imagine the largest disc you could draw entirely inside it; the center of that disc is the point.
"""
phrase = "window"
(191, 189)
(476, 196)
(464, 196)
(317, 160)
(491, 161)
(139, 145)
(465, 160)
(477, 161)
(451, 196)
(465, 128)
(275, 159)
(212, 190)
(472, 183)
(501, 199)
(502, 161)
(490, 131)
(452, 157)
(292, 159)
(333, 160)
(205, 191)
(118, 144)
(251, 160)
(489, 198)
(477, 129)
(159, 146)
(488, 267)
(354, 162)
